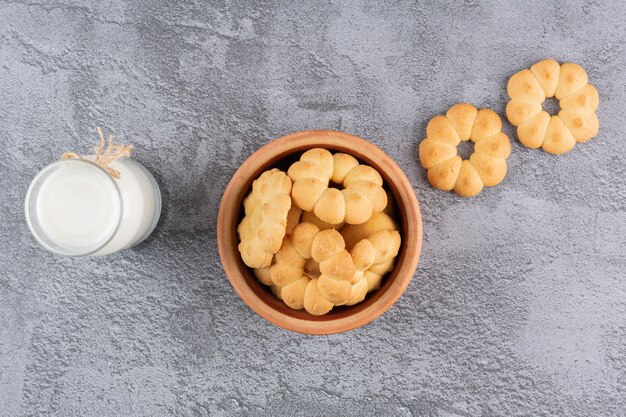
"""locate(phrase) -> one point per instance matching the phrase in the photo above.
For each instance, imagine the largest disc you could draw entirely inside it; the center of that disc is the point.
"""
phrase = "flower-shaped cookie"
(361, 196)
(263, 227)
(352, 234)
(373, 257)
(578, 101)
(486, 166)
(332, 285)
(380, 225)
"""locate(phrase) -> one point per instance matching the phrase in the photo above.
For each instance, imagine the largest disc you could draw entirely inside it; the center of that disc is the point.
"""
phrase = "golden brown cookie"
(578, 100)
(352, 234)
(362, 192)
(320, 253)
(264, 225)
(373, 246)
(373, 258)
(487, 164)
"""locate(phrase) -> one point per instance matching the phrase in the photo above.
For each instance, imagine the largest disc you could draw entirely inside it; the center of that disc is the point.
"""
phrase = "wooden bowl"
(281, 153)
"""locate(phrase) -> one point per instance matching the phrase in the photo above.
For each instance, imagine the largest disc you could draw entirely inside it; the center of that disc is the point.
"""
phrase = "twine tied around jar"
(104, 157)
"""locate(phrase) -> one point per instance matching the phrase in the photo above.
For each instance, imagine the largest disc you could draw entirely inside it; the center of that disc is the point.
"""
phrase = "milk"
(76, 208)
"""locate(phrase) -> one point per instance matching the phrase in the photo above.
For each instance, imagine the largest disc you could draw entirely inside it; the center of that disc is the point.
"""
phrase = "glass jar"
(74, 207)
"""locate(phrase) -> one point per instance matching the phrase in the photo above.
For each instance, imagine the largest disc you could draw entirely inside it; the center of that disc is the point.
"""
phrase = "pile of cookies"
(322, 234)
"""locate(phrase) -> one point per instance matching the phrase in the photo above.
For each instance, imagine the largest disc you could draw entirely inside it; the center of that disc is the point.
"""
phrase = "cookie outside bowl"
(279, 153)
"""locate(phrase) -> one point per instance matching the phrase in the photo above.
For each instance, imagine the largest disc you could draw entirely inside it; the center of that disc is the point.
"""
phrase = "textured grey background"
(518, 306)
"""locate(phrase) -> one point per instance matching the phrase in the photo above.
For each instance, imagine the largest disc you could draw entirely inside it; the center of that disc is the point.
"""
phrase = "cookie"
(362, 192)
(264, 224)
(486, 166)
(373, 258)
(333, 285)
(578, 100)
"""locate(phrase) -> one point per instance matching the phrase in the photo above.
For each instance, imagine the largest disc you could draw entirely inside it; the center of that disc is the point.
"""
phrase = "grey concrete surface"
(518, 306)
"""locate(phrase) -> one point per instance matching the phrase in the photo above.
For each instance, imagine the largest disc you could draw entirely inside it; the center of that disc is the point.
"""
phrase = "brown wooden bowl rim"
(272, 152)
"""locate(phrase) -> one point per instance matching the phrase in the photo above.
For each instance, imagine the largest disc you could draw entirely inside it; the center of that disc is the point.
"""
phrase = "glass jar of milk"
(74, 207)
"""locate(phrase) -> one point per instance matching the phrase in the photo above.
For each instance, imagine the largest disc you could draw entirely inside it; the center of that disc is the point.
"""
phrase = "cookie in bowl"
(306, 263)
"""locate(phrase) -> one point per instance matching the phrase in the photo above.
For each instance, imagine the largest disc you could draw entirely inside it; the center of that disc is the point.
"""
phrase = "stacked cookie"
(320, 235)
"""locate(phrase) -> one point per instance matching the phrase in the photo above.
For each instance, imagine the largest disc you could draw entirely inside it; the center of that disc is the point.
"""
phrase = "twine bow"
(104, 157)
